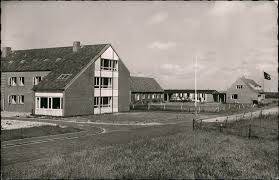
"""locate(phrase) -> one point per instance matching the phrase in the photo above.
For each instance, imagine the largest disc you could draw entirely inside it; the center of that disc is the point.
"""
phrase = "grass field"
(35, 132)
(182, 153)
(265, 126)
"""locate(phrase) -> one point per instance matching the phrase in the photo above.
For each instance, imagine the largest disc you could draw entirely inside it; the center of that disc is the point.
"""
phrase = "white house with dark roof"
(64, 81)
(145, 89)
(245, 90)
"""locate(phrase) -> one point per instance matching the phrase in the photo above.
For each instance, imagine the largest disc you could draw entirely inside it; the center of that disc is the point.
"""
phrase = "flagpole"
(196, 86)
(263, 80)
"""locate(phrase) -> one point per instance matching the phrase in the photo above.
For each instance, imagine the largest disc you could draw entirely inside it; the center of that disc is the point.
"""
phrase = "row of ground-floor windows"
(148, 96)
(49, 102)
(102, 102)
(14, 99)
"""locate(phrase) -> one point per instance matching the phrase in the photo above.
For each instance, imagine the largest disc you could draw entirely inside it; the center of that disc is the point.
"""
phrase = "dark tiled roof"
(60, 60)
(144, 84)
(205, 91)
(252, 84)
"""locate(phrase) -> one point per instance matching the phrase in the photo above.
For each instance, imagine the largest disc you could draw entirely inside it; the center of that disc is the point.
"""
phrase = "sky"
(158, 39)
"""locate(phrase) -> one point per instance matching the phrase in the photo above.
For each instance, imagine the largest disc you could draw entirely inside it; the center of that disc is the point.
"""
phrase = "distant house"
(64, 81)
(245, 90)
(184, 95)
(145, 89)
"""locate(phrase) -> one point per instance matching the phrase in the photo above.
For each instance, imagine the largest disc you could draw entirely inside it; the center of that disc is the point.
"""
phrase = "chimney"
(76, 46)
(6, 51)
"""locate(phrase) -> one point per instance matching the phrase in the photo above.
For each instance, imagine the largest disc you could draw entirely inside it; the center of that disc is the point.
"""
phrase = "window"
(20, 99)
(56, 103)
(37, 102)
(239, 86)
(162, 96)
(234, 96)
(108, 64)
(143, 96)
(105, 101)
(96, 102)
(12, 99)
(12, 81)
(64, 76)
(21, 81)
(96, 82)
(115, 66)
(36, 80)
(44, 103)
(137, 97)
(49, 102)
(153, 96)
(106, 82)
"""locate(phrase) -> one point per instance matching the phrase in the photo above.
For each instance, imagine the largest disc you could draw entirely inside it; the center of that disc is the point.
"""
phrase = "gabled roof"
(252, 84)
(60, 60)
(144, 84)
(205, 91)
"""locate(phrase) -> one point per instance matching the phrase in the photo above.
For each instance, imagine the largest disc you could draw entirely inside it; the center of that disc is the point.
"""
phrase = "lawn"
(182, 153)
(44, 130)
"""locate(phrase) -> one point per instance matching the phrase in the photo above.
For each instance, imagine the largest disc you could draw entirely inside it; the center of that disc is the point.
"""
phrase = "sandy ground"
(17, 124)
(14, 114)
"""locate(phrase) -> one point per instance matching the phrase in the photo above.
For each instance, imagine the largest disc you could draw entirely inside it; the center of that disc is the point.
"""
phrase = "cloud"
(162, 45)
(158, 18)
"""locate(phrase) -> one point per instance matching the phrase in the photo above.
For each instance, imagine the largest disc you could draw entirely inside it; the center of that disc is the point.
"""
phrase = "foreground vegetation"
(35, 132)
(188, 154)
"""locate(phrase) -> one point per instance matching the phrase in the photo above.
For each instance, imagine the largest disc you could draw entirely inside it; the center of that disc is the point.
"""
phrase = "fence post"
(226, 121)
(133, 106)
(229, 106)
(199, 109)
(193, 123)
(181, 107)
(221, 127)
(164, 107)
(148, 106)
(249, 131)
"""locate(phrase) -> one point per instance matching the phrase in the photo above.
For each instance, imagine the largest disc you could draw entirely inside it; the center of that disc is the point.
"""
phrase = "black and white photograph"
(139, 90)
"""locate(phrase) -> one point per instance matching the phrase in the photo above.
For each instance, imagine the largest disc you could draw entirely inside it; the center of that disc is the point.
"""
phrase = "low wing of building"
(64, 81)
(182, 95)
(145, 89)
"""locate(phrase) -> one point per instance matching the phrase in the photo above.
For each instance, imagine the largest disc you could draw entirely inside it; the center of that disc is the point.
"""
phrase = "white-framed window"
(96, 102)
(21, 81)
(20, 99)
(137, 96)
(115, 65)
(12, 81)
(49, 102)
(96, 82)
(106, 82)
(106, 102)
(234, 96)
(36, 80)
(162, 96)
(64, 76)
(12, 99)
(109, 64)
(143, 96)
(239, 86)
(153, 96)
